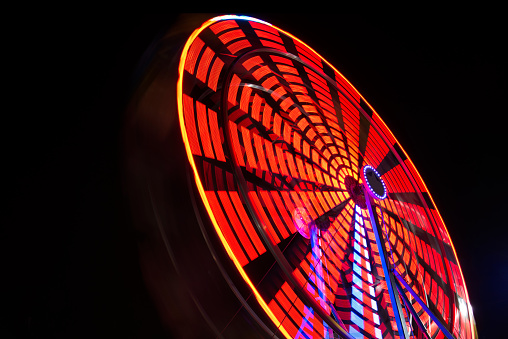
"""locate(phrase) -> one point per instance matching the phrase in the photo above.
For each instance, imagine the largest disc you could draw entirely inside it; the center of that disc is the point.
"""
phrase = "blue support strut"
(441, 326)
(390, 283)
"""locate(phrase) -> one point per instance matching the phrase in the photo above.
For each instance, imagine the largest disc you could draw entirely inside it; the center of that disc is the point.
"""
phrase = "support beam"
(390, 282)
(412, 310)
(441, 326)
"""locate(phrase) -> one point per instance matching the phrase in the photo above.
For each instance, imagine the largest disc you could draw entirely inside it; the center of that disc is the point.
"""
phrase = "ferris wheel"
(317, 218)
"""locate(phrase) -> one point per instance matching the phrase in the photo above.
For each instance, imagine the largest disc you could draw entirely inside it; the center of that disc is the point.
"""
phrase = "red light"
(238, 46)
(223, 25)
(233, 89)
(190, 125)
(214, 132)
(203, 130)
(217, 66)
(194, 51)
(232, 35)
(295, 136)
(204, 64)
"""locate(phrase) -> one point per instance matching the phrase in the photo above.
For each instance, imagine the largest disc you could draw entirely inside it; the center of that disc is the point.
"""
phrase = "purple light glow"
(373, 178)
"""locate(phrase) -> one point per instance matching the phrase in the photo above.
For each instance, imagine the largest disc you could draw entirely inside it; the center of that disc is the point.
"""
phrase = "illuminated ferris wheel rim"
(377, 193)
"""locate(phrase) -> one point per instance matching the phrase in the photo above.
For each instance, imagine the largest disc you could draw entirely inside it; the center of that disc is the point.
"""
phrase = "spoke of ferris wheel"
(400, 281)
(390, 280)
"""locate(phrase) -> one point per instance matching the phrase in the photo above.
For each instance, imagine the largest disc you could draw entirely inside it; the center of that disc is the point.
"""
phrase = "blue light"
(357, 258)
(371, 190)
(357, 247)
(356, 280)
(356, 305)
(356, 292)
(357, 320)
(357, 269)
(239, 17)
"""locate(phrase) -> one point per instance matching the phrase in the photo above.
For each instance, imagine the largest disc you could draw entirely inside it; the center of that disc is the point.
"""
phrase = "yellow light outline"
(198, 180)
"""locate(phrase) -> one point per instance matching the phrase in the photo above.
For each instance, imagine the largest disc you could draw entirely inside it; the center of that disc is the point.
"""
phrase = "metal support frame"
(441, 326)
(390, 281)
(413, 311)
(394, 282)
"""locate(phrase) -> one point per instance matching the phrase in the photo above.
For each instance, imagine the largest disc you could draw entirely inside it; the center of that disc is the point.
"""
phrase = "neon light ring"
(321, 212)
(374, 182)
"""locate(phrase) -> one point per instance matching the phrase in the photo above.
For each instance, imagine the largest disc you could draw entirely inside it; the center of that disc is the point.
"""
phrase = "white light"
(462, 306)
(239, 17)
(376, 318)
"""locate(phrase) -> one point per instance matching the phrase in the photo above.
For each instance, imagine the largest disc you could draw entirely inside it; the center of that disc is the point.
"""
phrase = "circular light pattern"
(373, 180)
(277, 139)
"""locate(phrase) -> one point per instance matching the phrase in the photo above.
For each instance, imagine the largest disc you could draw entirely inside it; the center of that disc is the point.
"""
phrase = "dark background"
(69, 257)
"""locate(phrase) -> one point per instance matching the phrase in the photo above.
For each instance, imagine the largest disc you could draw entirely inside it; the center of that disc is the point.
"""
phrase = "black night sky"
(69, 258)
